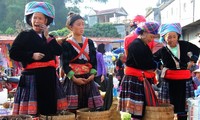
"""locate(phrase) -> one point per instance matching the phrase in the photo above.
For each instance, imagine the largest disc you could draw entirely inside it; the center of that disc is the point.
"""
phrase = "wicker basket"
(87, 114)
(161, 112)
(16, 117)
(115, 100)
(64, 116)
(115, 114)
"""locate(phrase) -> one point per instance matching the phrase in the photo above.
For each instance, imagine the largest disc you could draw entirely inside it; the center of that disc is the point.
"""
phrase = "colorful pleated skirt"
(82, 96)
(132, 97)
(39, 92)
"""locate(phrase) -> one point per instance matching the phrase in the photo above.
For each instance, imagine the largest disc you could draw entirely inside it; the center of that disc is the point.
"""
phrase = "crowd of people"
(41, 92)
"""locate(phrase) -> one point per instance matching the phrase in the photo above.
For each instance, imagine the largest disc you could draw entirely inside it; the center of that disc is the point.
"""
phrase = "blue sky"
(133, 7)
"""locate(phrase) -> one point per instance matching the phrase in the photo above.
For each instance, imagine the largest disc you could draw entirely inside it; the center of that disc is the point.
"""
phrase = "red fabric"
(34, 65)
(139, 18)
(151, 44)
(128, 39)
(131, 37)
(139, 73)
(1, 87)
(80, 69)
(150, 96)
(178, 74)
(82, 50)
(49, 39)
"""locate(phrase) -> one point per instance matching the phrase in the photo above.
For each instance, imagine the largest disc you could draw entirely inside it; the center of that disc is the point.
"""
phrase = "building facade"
(186, 12)
(115, 16)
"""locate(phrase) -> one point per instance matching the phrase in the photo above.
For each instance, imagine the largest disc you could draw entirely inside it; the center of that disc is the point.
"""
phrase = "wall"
(92, 20)
(196, 8)
(186, 14)
(170, 13)
(121, 29)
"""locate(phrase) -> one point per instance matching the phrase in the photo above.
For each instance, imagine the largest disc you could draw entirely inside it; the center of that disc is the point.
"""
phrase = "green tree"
(102, 30)
(13, 10)
(10, 11)
(60, 12)
(63, 32)
(2, 9)
(9, 31)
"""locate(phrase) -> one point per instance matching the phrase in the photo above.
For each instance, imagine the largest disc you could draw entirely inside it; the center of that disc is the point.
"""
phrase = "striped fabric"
(132, 97)
(173, 27)
(82, 96)
(151, 99)
(164, 97)
(25, 101)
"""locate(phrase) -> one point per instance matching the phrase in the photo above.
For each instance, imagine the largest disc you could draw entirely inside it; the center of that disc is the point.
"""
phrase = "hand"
(190, 64)
(90, 78)
(38, 56)
(156, 93)
(102, 78)
(79, 81)
(45, 30)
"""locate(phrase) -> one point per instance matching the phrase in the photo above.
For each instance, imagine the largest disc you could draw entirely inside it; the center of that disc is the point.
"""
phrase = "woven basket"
(65, 116)
(87, 114)
(16, 117)
(115, 100)
(161, 112)
(115, 114)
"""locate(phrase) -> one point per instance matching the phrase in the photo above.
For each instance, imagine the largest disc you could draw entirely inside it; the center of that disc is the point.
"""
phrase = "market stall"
(12, 67)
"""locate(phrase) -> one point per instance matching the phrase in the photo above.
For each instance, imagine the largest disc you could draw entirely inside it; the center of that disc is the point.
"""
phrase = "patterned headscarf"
(42, 7)
(166, 28)
(173, 27)
(150, 27)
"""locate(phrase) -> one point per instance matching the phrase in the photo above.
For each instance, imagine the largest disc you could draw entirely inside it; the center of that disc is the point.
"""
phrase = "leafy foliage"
(98, 30)
(102, 30)
(13, 10)
(63, 32)
(10, 31)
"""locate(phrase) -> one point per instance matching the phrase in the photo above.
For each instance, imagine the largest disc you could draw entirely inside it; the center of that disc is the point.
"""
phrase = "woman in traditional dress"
(139, 66)
(79, 64)
(39, 90)
(177, 57)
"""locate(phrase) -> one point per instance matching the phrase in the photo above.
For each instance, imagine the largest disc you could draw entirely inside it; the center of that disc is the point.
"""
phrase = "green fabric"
(93, 71)
(70, 74)
(174, 51)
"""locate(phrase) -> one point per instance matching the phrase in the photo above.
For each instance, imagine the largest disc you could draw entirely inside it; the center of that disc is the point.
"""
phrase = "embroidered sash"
(80, 69)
